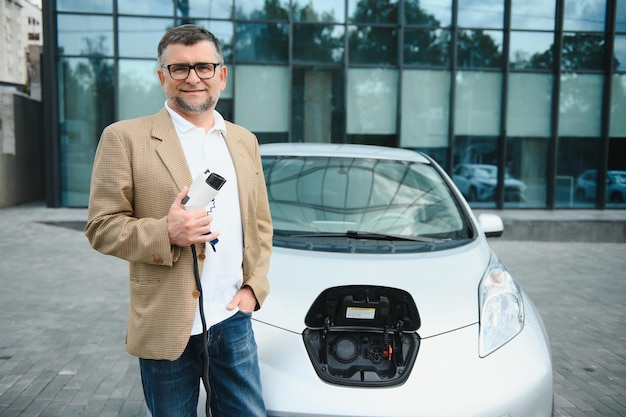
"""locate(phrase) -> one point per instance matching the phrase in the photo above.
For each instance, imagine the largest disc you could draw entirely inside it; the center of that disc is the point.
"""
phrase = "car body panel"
(446, 380)
(429, 277)
(341, 150)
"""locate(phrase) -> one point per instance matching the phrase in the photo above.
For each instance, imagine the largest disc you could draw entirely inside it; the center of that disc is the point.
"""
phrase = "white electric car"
(386, 299)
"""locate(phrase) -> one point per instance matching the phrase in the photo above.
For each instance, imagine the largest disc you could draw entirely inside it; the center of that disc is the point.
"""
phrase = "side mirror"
(491, 224)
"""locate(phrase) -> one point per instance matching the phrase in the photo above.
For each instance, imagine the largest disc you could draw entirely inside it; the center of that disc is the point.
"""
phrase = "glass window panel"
(262, 97)
(373, 11)
(577, 164)
(428, 12)
(152, 7)
(372, 101)
(531, 50)
(475, 169)
(262, 42)
(139, 37)
(580, 105)
(616, 181)
(529, 105)
(584, 14)
(479, 48)
(618, 106)
(425, 109)
(533, 14)
(213, 9)
(477, 107)
(85, 35)
(319, 11)
(619, 53)
(95, 6)
(318, 43)
(526, 172)
(427, 47)
(262, 9)
(86, 106)
(225, 103)
(620, 18)
(318, 105)
(223, 31)
(227, 93)
(583, 51)
(373, 45)
(139, 91)
(481, 14)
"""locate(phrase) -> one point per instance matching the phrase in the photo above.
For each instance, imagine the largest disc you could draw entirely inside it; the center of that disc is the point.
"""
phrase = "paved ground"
(580, 290)
(63, 313)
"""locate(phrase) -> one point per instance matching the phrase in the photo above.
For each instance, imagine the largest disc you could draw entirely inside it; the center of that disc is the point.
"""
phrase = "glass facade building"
(523, 102)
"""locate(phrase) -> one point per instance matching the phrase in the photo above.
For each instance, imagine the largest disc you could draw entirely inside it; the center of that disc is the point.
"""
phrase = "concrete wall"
(22, 162)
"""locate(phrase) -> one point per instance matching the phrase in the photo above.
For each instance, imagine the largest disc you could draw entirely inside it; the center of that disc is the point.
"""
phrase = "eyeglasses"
(204, 70)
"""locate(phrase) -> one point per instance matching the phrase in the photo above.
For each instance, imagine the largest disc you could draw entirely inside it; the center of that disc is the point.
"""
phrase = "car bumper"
(448, 379)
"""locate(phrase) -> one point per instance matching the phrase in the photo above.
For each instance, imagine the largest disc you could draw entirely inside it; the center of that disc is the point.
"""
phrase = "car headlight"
(501, 308)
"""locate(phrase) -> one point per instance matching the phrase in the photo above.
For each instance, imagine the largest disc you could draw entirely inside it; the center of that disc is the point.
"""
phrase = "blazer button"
(195, 294)
(157, 259)
(201, 256)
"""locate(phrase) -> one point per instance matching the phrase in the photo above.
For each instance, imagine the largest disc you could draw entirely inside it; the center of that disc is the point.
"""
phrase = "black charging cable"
(205, 334)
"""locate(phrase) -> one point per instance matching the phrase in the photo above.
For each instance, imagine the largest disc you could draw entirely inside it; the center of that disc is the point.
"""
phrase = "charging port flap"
(362, 335)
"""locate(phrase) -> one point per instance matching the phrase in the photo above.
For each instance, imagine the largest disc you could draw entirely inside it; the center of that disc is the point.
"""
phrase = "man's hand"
(187, 227)
(245, 300)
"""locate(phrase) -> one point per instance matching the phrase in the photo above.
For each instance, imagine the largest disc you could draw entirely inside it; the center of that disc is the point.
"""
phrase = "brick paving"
(580, 290)
(63, 313)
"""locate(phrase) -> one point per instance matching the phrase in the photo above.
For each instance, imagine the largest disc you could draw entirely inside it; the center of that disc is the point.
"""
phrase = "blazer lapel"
(170, 150)
(242, 167)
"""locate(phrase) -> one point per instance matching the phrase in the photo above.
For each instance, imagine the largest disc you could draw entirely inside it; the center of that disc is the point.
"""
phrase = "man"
(141, 173)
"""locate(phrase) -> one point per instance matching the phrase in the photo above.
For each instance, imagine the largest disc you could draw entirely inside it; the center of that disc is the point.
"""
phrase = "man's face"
(192, 95)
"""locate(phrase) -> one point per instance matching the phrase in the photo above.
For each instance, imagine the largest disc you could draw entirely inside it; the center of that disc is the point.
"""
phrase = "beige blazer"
(138, 170)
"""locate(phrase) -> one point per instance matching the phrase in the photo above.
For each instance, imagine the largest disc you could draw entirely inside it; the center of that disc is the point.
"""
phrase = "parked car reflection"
(615, 183)
(478, 182)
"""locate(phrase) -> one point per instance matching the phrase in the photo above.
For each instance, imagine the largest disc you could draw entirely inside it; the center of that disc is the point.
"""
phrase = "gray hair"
(188, 35)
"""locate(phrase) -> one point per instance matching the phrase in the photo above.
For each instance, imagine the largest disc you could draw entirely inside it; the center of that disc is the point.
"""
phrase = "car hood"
(444, 284)
(513, 182)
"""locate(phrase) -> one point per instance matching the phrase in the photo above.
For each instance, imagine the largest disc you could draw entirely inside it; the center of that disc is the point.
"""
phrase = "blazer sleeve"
(113, 225)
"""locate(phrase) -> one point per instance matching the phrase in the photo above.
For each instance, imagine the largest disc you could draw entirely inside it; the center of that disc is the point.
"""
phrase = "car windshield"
(619, 177)
(486, 172)
(339, 198)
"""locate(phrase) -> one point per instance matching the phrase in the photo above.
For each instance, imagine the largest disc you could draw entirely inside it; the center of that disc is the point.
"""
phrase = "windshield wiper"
(353, 234)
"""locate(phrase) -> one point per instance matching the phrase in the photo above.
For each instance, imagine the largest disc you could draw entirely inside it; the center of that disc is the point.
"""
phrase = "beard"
(194, 108)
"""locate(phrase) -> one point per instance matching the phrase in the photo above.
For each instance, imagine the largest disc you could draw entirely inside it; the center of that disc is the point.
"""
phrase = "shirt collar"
(183, 125)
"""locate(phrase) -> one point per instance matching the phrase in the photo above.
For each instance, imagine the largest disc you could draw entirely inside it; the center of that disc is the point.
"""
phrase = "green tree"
(426, 46)
(414, 15)
(264, 41)
(424, 41)
(374, 44)
(581, 51)
(584, 51)
(477, 49)
(376, 11)
(315, 42)
(97, 78)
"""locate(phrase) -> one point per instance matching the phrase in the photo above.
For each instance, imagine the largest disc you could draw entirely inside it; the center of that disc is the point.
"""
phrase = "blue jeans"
(171, 388)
